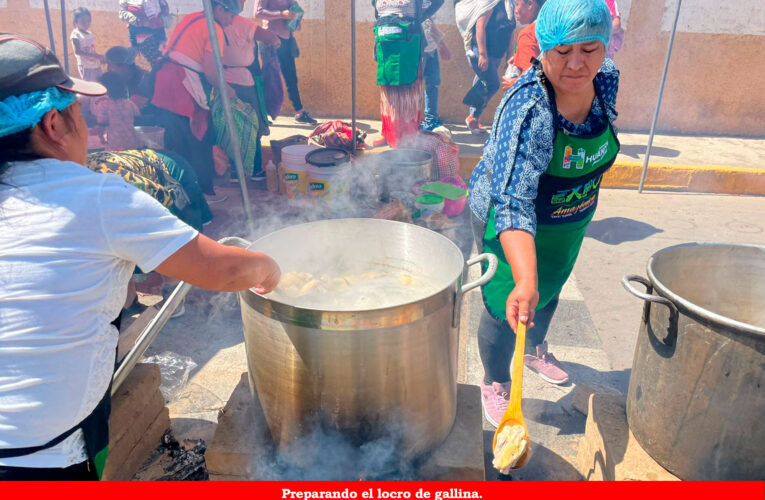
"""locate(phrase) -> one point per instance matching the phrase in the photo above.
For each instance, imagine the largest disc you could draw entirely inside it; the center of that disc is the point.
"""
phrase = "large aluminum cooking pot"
(367, 373)
(696, 400)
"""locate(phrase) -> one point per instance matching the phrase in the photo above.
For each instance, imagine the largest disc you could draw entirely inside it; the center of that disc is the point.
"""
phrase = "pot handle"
(485, 277)
(669, 340)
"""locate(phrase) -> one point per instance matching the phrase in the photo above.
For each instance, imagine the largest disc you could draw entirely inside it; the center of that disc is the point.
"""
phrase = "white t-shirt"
(69, 241)
(87, 43)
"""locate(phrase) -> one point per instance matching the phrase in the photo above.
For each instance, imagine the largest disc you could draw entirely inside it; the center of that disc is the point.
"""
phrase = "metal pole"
(149, 334)
(222, 86)
(50, 27)
(658, 100)
(353, 73)
(64, 36)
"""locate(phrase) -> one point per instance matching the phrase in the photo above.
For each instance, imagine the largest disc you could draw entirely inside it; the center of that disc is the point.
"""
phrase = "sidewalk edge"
(715, 179)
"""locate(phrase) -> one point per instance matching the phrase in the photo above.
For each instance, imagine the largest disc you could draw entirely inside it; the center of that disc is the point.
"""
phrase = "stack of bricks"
(138, 421)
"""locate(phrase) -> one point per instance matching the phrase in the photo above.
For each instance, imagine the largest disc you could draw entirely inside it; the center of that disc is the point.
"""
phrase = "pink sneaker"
(494, 399)
(546, 366)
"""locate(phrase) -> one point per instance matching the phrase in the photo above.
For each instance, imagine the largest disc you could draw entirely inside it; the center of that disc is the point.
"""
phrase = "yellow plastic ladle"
(513, 415)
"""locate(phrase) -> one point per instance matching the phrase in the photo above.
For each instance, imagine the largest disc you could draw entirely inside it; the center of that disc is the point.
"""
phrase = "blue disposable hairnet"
(20, 112)
(566, 22)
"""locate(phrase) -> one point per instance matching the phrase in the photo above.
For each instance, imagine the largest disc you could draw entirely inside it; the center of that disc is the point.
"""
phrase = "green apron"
(566, 200)
(399, 51)
(398, 47)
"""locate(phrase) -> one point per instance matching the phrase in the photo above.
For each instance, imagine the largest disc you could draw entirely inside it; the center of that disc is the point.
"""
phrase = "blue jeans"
(496, 341)
(432, 76)
(286, 54)
(485, 82)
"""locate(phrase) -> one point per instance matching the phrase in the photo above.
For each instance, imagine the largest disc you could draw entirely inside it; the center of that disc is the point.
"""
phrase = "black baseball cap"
(27, 66)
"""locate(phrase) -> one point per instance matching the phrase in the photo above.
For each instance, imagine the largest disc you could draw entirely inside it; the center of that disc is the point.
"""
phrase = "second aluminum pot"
(368, 374)
(697, 390)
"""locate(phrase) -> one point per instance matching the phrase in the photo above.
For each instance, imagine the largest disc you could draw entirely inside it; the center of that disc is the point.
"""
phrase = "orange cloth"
(195, 41)
(169, 91)
(526, 47)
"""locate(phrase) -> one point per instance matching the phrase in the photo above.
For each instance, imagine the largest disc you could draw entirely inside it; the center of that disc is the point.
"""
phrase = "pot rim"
(426, 156)
(691, 309)
(368, 319)
(364, 319)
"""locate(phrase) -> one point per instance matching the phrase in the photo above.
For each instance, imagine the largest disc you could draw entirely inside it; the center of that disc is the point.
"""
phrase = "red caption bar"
(386, 490)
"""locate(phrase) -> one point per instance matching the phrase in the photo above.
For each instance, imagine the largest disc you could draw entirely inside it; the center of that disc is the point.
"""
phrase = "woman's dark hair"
(80, 12)
(116, 86)
(16, 147)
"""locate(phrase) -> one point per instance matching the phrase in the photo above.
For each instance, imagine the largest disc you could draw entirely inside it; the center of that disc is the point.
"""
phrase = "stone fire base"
(242, 436)
(138, 420)
(609, 451)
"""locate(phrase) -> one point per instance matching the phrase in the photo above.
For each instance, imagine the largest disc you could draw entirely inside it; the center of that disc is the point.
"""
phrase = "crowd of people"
(179, 94)
(180, 97)
(76, 235)
(408, 49)
(409, 46)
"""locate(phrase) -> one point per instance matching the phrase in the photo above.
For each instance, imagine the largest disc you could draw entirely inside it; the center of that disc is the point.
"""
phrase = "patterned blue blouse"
(520, 147)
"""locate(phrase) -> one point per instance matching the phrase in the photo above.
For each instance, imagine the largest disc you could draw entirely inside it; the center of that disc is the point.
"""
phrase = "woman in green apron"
(536, 188)
(71, 239)
(399, 41)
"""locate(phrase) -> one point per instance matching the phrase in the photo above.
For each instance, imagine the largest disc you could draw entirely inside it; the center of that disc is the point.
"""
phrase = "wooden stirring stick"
(512, 448)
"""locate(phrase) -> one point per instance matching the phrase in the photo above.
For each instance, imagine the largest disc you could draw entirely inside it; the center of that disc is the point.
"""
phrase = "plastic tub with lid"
(328, 175)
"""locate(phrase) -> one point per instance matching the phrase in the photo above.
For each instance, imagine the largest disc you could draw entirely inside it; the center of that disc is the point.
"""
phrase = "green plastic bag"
(294, 24)
(399, 51)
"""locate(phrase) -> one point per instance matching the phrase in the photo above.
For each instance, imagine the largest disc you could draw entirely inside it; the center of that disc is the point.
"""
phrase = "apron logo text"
(561, 211)
(575, 194)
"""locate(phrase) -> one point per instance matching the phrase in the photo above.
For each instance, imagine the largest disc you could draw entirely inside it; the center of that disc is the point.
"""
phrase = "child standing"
(88, 60)
(434, 49)
(116, 114)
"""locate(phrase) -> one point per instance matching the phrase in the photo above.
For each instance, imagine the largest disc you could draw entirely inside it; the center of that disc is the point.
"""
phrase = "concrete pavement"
(628, 228)
(595, 328)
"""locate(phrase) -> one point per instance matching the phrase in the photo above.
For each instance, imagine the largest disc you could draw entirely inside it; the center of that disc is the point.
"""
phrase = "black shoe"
(304, 117)
(258, 176)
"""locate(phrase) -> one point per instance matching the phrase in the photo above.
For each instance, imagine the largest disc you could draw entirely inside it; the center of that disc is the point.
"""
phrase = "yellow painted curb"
(671, 177)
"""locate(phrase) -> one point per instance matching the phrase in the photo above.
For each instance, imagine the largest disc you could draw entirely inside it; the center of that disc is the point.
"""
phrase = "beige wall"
(715, 85)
